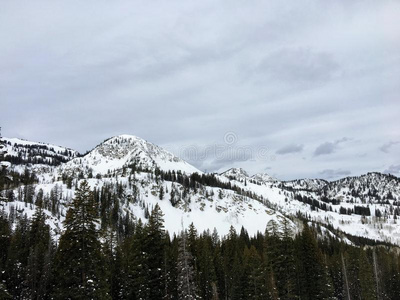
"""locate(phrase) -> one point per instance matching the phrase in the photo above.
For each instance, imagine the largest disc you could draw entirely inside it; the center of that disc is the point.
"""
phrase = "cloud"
(330, 173)
(294, 65)
(325, 148)
(393, 169)
(186, 73)
(329, 147)
(290, 149)
(386, 147)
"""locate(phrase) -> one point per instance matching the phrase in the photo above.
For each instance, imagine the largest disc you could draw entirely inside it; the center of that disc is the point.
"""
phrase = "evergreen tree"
(161, 195)
(79, 263)
(313, 282)
(280, 249)
(135, 264)
(17, 259)
(255, 286)
(171, 249)
(187, 288)
(154, 236)
(366, 278)
(41, 252)
(206, 269)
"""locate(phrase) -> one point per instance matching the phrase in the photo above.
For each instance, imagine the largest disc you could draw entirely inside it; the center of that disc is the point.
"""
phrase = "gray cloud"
(393, 169)
(325, 148)
(290, 149)
(330, 173)
(329, 147)
(186, 73)
(386, 147)
(297, 66)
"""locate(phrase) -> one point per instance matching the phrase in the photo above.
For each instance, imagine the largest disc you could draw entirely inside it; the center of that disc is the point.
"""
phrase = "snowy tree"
(187, 288)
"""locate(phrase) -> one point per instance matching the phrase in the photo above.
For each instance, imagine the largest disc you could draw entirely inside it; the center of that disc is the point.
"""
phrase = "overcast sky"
(291, 88)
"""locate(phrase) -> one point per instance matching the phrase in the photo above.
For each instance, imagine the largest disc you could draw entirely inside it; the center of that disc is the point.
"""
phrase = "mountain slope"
(23, 152)
(130, 176)
(124, 151)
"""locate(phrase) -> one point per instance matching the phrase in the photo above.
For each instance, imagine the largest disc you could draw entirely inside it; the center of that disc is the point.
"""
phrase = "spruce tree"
(255, 286)
(41, 252)
(187, 288)
(79, 263)
(17, 259)
(206, 269)
(154, 236)
(135, 263)
(313, 282)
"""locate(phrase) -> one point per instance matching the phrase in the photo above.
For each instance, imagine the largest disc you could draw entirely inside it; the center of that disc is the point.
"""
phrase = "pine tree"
(154, 236)
(41, 251)
(255, 286)
(17, 259)
(170, 271)
(135, 265)
(113, 263)
(313, 282)
(206, 269)
(161, 193)
(79, 263)
(279, 245)
(366, 278)
(187, 288)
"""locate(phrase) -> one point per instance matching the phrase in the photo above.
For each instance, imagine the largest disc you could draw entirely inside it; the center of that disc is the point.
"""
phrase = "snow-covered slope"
(25, 152)
(263, 178)
(236, 173)
(127, 150)
(306, 184)
(242, 176)
(371, 187)
(366, 206)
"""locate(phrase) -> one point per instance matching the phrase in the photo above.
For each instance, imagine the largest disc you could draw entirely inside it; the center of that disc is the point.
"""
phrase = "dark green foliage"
(366, 277)
(41, 253)
(153, 244)
(79, 263)
(312, 278)
(141, 261)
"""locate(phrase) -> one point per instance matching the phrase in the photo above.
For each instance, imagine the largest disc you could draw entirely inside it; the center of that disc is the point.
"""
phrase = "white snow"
(209, 212)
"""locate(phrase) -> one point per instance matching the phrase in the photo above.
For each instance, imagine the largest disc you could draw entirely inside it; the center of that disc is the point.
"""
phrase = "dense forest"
(142, 261)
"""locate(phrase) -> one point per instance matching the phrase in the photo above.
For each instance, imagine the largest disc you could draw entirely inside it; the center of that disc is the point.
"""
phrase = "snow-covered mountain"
(371, 187)
(123, 151)
(140, 175)
(263, 178)
(241, 175)
(236, 173)
(23, 152)
(306, 184)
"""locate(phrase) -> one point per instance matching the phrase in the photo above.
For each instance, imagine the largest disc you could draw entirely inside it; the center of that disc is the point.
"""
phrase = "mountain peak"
(123, 150)
(236, 173)
(263, 177)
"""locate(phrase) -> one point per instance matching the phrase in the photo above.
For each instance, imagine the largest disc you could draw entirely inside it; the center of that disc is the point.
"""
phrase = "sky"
(294, 89)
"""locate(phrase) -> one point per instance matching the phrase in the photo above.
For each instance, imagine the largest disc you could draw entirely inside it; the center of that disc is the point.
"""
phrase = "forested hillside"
(144, 262)
(129, 220)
